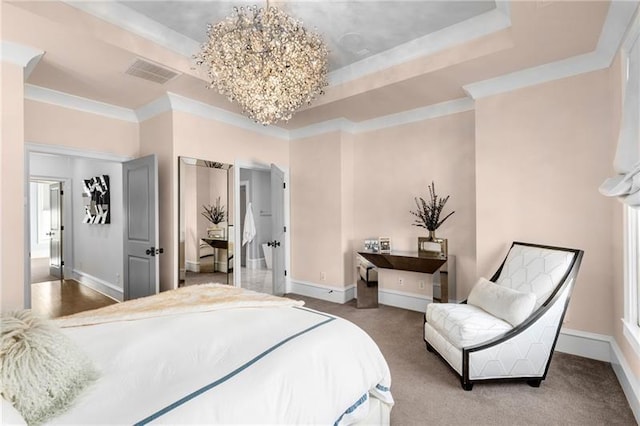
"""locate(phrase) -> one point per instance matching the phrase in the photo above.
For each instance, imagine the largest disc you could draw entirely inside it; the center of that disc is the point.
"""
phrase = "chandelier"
(266, 61)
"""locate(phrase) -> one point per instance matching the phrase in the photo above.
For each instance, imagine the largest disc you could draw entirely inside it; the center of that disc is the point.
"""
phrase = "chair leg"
(429, 347)
(535, 383)
(466, 386)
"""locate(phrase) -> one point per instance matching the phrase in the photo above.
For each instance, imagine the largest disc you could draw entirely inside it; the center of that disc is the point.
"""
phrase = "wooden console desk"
(410, 261)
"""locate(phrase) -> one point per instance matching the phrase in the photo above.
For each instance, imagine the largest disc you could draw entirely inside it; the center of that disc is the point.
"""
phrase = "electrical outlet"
(323, 276)
(421, 284)
(400, 280)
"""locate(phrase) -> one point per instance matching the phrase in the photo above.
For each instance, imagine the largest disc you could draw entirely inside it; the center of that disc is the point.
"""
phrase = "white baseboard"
(256, 263)
(629, 382)
(323, 292)
(585, 344)
(99, 285)
(192, 266)
(400, 299)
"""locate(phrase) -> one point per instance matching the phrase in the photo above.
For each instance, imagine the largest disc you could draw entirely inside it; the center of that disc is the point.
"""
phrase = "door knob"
(151, 251)
(273, 243)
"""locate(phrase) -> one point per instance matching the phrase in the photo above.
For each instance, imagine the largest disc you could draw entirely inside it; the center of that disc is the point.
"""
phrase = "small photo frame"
(371, 244)
(385, 245)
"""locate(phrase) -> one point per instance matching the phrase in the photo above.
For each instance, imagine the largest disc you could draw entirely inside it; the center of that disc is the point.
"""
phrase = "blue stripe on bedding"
(234, 372)
(351, 409)
(383, 388)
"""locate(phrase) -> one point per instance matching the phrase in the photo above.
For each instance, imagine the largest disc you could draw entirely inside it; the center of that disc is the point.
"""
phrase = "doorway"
(255, 230)
(58, 244)
(46, 243)
(262, 213)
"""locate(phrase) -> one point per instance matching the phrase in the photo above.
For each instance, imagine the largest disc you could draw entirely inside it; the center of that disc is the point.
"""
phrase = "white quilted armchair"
(508, 327)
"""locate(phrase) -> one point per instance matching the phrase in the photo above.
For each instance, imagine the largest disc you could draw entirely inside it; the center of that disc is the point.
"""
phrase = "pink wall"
(316, 210)
(394, 165)
(541, 153)
(12, 188)
(51, 124)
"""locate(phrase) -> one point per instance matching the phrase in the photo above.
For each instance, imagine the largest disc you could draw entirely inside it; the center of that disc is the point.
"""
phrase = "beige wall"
(55, 125)
(541, 153)
(316, 210)
(12, 188)
(394, 165)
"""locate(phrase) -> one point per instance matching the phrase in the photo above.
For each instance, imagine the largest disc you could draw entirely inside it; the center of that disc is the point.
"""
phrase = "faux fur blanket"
(195, 298)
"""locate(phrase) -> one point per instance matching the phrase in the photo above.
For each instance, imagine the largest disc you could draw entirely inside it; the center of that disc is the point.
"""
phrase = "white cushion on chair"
(463, 324)
(505, 303)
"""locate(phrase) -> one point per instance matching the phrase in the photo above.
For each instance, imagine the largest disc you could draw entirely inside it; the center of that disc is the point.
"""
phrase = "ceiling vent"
(150, 71)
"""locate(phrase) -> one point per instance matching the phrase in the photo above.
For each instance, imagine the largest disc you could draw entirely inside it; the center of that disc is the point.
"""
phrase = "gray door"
(55, 233)
(140, 200)
(277, 222)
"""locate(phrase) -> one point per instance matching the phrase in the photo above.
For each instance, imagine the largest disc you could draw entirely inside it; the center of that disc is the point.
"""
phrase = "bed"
(216, 354)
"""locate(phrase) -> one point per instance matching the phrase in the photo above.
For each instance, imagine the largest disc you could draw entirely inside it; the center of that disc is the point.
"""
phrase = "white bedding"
(267, 365)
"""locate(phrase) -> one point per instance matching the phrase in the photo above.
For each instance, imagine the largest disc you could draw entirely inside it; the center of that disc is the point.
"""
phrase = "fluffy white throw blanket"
(195, 298)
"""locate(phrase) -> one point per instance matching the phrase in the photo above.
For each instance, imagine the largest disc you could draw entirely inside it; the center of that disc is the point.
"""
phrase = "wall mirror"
(205, 217)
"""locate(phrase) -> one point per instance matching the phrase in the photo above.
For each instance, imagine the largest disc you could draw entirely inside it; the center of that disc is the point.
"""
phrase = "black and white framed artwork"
(96, 206)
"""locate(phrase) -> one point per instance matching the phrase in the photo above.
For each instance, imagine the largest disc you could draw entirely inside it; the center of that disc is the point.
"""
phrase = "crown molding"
(614, 28)
(335, 125)
(18, 54)
(130, 20)
(65, 100)
(470, 29)
(419, 114)
(632, 33)
(201, 109)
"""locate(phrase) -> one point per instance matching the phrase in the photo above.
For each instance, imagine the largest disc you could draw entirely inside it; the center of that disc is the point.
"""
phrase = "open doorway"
(46, 243)
(262, 212)
(57, 284)
(255, 230)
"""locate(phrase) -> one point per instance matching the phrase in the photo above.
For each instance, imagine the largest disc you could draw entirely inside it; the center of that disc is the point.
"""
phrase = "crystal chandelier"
(266, 61)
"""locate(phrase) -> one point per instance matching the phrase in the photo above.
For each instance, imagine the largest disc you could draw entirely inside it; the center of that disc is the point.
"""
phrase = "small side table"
(442, 269)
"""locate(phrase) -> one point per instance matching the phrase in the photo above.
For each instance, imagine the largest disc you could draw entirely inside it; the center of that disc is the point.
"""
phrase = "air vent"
(150, 71)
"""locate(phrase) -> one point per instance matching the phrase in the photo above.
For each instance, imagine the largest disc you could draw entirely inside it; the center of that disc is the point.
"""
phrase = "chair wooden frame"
(566, 283)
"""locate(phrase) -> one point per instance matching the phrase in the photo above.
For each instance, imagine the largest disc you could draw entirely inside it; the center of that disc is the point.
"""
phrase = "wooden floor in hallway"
(52, 299)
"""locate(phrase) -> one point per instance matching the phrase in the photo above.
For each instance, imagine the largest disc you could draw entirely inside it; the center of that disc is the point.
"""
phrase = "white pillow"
(510, 305)
(41, 370)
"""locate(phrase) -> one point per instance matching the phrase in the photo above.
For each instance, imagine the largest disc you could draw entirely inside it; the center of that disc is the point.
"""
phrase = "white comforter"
(269, 365)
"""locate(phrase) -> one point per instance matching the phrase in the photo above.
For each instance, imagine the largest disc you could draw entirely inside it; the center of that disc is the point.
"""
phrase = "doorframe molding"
(40, 148)
(67, 222)
(253, 165)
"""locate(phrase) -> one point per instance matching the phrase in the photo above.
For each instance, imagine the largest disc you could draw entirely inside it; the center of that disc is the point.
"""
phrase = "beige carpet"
(577, 391)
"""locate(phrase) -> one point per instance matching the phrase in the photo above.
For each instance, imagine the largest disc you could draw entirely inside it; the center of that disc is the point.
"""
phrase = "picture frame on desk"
(371, 244)
(384, 244)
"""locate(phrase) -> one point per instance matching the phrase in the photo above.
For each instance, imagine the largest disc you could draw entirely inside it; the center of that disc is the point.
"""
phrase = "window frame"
(631, 319)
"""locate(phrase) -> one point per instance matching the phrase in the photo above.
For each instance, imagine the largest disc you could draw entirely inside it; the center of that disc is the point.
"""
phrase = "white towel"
(249, 226)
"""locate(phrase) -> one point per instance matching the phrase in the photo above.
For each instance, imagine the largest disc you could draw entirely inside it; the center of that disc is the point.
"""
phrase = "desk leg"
(440, 281)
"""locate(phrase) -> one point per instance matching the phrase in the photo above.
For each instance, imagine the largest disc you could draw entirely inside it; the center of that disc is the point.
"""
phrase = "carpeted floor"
(577, 391)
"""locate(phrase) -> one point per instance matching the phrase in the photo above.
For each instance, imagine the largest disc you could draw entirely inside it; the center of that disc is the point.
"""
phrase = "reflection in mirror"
(205, 251)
